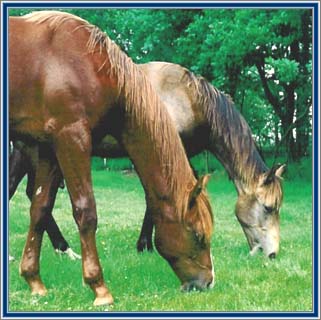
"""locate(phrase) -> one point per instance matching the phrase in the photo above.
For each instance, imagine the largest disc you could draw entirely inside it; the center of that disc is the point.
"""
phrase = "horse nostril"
(272, 255)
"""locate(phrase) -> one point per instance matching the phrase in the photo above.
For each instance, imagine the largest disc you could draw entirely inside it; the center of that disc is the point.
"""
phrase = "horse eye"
(268, 209)
(199, 238)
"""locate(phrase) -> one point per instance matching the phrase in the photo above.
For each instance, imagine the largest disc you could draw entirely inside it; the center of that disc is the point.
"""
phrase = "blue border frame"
(314, 5)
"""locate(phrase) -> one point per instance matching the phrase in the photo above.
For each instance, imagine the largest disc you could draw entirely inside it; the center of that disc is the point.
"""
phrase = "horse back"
(171, 83)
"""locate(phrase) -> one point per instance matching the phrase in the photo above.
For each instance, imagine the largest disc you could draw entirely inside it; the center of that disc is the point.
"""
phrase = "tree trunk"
(304, 94)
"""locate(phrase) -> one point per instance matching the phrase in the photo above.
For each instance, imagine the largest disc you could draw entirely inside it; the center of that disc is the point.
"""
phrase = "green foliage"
(228, 47)
(301, 170)
(285, 70)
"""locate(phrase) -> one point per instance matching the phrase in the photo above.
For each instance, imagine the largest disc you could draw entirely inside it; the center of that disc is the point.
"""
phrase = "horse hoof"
(35, 284)
(144, 244)
(72, 255)
(39, 290)
(102, 301)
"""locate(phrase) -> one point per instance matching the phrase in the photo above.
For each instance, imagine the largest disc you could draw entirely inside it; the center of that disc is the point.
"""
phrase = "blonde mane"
(141, 103)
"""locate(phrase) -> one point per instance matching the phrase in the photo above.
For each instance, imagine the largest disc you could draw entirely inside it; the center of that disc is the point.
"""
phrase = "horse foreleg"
(46, 185)
(73, 150)
(145, 238)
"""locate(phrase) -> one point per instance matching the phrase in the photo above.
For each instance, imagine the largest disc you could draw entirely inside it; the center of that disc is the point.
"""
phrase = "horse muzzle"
(198, 285)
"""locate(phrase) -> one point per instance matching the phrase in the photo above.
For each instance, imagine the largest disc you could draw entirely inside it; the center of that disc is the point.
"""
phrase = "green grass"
(144, 282)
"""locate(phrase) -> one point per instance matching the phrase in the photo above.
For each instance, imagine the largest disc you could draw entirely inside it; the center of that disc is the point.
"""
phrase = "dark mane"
(231, 137)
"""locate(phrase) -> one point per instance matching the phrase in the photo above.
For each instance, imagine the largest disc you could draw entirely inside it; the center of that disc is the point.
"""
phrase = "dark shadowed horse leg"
(17, 170)
(30, 183)
(56, 238)
(145, 238)
(46, 184)
(73, 150)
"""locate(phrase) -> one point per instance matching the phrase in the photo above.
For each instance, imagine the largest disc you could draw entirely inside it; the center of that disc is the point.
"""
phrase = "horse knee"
(28, 268)
(85, 215)
(92, 275)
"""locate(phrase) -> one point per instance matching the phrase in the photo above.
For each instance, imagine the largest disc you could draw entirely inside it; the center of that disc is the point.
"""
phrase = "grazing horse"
(207, 119)
(69, 86)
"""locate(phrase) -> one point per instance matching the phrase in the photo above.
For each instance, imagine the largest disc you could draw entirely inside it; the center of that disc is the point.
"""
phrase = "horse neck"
(147, 133)
(163, 184)
(153, 144)
(232, 143)
(160, 188)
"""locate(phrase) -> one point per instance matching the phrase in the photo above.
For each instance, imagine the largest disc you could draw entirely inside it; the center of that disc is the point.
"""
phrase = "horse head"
(185, 243)
(258, 212)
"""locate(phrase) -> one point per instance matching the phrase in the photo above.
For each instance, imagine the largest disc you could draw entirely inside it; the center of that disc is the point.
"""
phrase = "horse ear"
(199, 187)
(275, 171)
(279, 171)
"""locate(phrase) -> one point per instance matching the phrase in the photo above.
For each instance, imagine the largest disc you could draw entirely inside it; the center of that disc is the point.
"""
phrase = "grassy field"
(144, 282)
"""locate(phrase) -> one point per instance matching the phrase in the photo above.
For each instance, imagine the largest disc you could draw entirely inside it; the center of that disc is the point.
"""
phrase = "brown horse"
(70, 85)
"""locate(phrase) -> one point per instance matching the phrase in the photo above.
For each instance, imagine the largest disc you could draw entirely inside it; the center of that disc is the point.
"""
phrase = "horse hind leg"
(23, 162)
(56, 238)
(46, 185)
(145, 238)
(73, 150)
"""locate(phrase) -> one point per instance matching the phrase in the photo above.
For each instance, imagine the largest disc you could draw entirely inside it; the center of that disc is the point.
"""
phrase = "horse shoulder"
(166, 78)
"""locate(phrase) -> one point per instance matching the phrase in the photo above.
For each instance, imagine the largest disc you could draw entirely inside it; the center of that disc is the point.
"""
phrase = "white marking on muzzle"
(255, 249)
(213, 274)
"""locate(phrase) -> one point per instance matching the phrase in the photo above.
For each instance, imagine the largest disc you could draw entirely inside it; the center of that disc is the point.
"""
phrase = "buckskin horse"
(208, 120)
(70, 85)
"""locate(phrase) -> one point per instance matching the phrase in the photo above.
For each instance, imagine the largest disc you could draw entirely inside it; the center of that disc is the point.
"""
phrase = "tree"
(278, 44)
